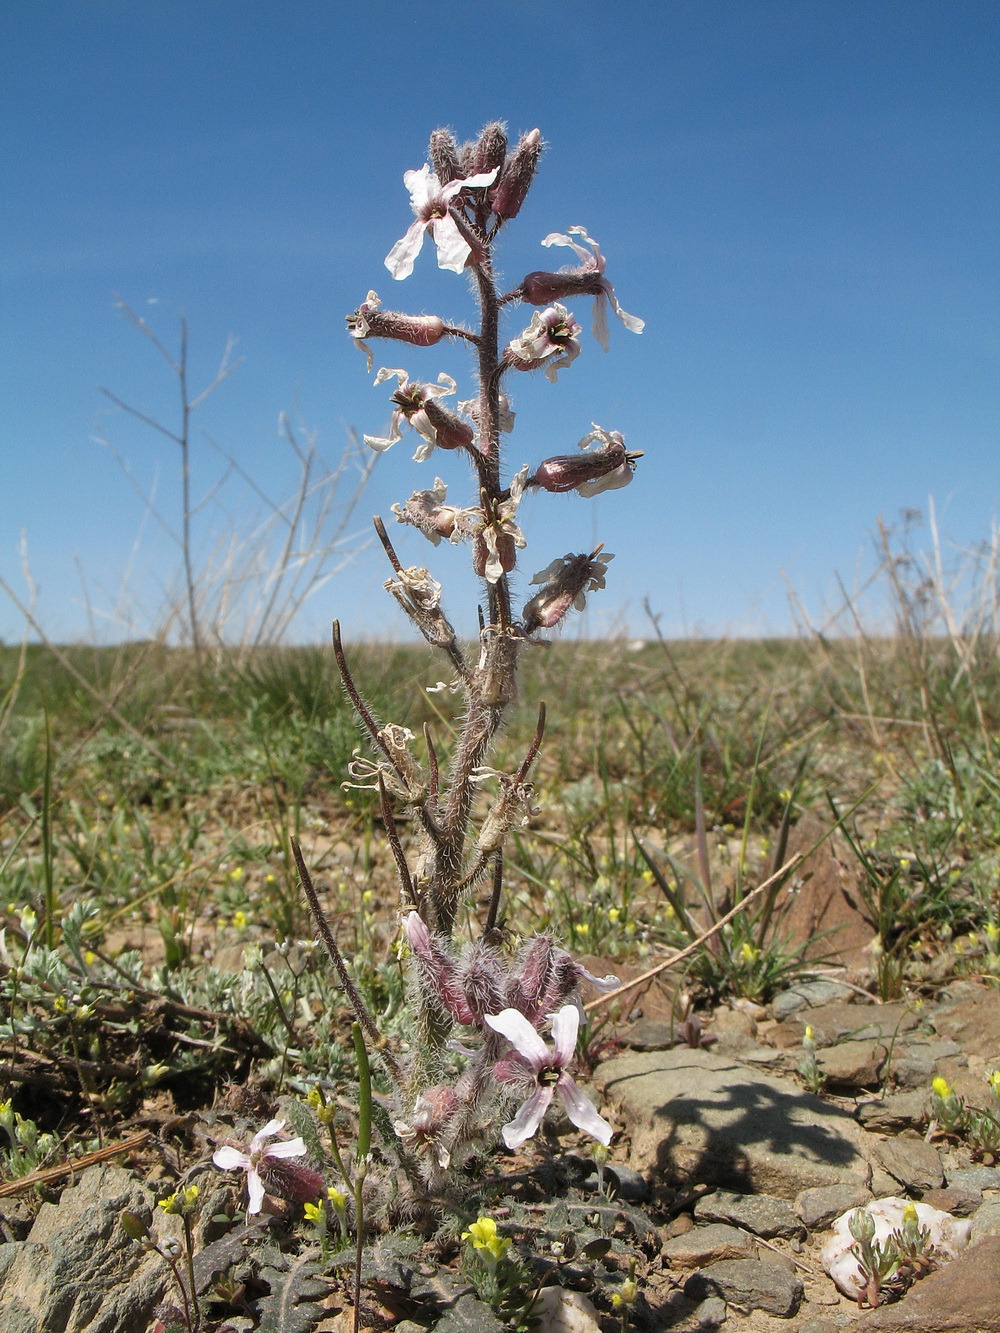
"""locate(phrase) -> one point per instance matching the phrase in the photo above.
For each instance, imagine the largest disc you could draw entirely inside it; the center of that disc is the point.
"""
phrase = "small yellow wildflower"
(614, 914)
(992, 932)
(338, 1200)
(236, 874)
(366, 897)
(909, 1213)
(941, 1088)
(270, 879)
(748, 953)
(627, 1295)
(171, 1204)
(486, 1241)
(993, 1080)
(904, 864)
(240, 920)
(313, 1212)
(90, 958)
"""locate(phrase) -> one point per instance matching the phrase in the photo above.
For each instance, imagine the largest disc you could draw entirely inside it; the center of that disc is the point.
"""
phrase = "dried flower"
(368, 321)
(424, 1133)
(587, 280)
(533, 1066)
(550, 340)
(565, 582)
(432, 201)
(415, 402)
(606, 468)
(426, 511)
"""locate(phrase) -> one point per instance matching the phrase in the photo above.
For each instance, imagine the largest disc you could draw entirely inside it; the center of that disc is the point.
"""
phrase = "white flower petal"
(632, 322)
(565, 1026)
(260, 1138)
(529, 1117)
(230, 1159)
(582, 1112)
(400, 259)
(255, 1189)
(521, 1035)
(290, 1148)
(604, 984)
(453, 249)
(387, 372)
(479, 182)
(611, 481)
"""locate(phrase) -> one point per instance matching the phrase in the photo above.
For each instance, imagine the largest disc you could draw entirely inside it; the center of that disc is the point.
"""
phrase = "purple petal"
(582, 1112)
(529, 1117)
(565, 1026)
(521, 1035)
(399, 260)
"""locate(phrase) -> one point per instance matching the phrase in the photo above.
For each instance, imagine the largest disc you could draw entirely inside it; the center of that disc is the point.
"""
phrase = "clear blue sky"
(800, 199)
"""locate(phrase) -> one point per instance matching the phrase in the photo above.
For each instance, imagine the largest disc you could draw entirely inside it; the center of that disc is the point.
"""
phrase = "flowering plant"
(502, 996)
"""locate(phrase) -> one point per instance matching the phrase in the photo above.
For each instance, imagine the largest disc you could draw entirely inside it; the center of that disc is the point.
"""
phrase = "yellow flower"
(236, 874)
(993, 1080)
(90, 958)
(485, 1240)
(992, 932)
(366, 897)
(941, 1088)
(909, 1213)
(240, 920)
(171, 1204)
(270, 879)
(313, 1212)
(614, 913)
(748, 953)
(583, 928)
(338, 1200)
(904, 864)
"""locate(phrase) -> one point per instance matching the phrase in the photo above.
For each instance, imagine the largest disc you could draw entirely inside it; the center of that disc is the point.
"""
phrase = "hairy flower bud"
(491, 147)
(291, 1180)
(368, 321)
(443, 152)
(541, 288)
(564, 582)
(517, 176)
(604, 469)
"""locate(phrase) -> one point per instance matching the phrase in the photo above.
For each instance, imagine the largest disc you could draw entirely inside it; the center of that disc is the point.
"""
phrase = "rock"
(760, 1213)
(916, 1062)
(948, 1235)
(986, 1220)
(709, 1313)
(975, 1177)
(860, 1022)
(651, 1034)
(699, 1117)
(707, 1245)
(562, 1311)
(818, 1207)
(808, 995)
(752, 1284)
(626, 1182)
(961, 1297)
(898, 1110)
(823, 910)
(854, 1064)
(914, 1163)
(953, 1199)
(78, 1270)
(972, 1020)
(726, 1021)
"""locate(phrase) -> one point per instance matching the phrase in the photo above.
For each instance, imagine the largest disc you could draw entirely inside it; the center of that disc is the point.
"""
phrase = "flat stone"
(650, 1034)
(752, 1284)
(563, 1311)
(915, 1063)
(808, 995)
(915, 1164)
(698, 1117)
(841, 1021)
(898, 1110)
(986, 1220)
(854, 1064)
(762, 1214)
(707, 1245)
(78, 1270)
(822, 909)
(973, 1020)
(953, 1199)
(961, 1297)
(818, 1207)
(975, 1177)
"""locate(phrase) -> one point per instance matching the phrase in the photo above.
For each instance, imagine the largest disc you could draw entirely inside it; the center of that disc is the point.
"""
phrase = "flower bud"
(491, 147)
(498, 552)
(605, 469)
(290, 1180)
(368, 321)
(541, 288)
(443, 153)
(517, 176)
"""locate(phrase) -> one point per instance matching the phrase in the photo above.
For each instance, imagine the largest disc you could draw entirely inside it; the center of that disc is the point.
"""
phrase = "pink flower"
(535, 1069)
(549, 340)
(369, 321)
(415, 403)
(564, 584)
(232, 1159)
(588, 280)
(431, 201)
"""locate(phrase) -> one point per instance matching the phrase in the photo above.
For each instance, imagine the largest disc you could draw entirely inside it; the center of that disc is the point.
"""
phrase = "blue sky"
(800, 199)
